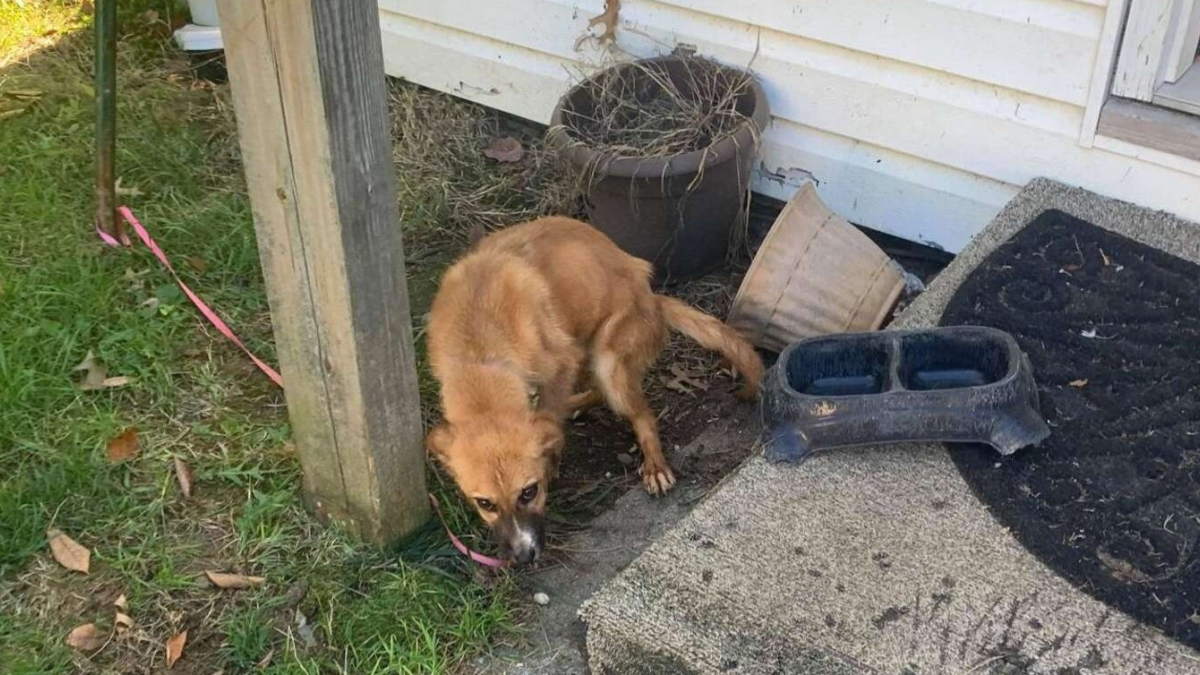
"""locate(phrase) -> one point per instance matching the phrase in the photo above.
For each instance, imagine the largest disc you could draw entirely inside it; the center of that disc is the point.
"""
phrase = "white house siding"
(917, 117)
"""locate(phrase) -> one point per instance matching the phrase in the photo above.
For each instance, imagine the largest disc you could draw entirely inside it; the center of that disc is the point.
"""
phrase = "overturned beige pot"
(814, 274)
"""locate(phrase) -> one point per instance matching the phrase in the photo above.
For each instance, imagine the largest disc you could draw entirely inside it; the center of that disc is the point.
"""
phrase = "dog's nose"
(523, 555)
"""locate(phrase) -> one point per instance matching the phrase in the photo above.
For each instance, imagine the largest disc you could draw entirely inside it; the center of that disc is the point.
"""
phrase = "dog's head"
(504, 468)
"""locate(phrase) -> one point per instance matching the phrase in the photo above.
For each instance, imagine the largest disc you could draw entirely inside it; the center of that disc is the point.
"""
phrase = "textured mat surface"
(1112, 327)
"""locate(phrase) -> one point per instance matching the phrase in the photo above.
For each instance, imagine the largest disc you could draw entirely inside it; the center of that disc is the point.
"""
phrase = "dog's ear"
(437, 442)
(550, 435)
(475, 235)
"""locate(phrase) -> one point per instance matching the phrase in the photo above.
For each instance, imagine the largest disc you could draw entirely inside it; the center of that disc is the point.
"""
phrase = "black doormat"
(1111, 500)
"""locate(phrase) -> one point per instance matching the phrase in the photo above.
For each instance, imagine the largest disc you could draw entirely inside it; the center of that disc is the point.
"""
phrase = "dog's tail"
(711, 333)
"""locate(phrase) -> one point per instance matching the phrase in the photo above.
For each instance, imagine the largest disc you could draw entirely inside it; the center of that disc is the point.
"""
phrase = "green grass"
(191, 396)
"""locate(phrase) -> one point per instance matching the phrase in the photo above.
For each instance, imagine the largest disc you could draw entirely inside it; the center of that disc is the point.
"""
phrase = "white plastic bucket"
(204, 12)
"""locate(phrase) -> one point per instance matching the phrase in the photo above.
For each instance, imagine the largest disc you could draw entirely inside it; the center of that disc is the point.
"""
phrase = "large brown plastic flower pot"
(677, 212)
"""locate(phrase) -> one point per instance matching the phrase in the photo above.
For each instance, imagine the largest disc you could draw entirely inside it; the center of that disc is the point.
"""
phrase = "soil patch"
(689, 387)
(1111, 500)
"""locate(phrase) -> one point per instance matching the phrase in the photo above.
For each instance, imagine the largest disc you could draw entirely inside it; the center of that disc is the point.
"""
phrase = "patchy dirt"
(579, 564)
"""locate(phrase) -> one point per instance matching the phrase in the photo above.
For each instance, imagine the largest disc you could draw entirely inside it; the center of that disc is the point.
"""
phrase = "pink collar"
(462, 548)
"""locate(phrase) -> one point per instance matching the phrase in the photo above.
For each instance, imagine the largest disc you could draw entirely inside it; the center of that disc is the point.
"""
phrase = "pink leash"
(462, 548)
(270, 372)
(204, 309)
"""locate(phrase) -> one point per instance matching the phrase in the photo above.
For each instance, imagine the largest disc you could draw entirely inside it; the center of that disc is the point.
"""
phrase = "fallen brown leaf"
(95, 376)
(126, 191)
(675, 384)
(86, 638)
(184, 475)
(1078, 384)
(197, 263)
(25, 93)
(123, 447)
(1122, 570)
(612, 10)
(121, 603)
(93, 373)
(686, 376)
(233, 581)
(174, 647)
(504, 149)
(123, 622)
(68, 552)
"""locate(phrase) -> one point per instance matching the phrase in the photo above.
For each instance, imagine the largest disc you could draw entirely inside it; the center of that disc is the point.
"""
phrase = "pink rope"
(270, 372)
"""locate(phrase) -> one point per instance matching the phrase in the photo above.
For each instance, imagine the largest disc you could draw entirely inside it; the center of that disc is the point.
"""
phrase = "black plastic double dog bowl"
(957, 384)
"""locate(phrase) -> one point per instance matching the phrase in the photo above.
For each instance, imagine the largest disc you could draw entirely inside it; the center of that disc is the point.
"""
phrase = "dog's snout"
(525, 540)
(524, 555)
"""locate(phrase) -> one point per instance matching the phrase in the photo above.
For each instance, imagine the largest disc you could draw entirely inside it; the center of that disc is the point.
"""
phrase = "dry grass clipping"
(639, 110)
(446, 183)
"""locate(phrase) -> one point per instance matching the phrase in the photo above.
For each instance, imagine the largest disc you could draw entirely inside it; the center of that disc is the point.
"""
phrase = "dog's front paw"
(657, 478)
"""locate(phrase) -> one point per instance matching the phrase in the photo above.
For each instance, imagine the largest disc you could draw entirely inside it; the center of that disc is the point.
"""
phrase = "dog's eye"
(486, 504)
(529, 493)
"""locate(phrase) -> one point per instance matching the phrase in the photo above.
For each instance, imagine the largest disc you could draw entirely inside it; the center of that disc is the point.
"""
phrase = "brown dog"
(515, 324)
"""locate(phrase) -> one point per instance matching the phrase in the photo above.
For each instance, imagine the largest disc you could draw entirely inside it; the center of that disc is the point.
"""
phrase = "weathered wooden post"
(311, 103)
(106, 119)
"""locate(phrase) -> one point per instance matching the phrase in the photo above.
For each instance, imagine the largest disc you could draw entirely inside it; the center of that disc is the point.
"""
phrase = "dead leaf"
(123, 447)
(1079, 384)
(233, 581)
(1104, 256)
(266, 660)
(175, 648)
(608, 19)
(305, 630)
(675, 384)
(1122, 570)
(123, 622)
(121, 603)
(93, 373)
(86, 638)
(184, 475)
(1089, 333)
(68, 552)
(95, 376)
(686, 376)
(5, 114)
(126, 191)
(626, 459)
(86, 7)
(504, 149)
(25, 93)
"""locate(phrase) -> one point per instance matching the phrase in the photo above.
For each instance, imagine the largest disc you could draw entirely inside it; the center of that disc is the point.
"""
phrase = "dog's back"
(587, 275)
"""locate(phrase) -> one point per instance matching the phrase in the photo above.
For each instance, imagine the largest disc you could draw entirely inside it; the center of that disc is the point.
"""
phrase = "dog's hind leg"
(624, 348)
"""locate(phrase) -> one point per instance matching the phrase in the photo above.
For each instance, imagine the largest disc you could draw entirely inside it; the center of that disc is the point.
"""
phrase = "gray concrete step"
(875, 560)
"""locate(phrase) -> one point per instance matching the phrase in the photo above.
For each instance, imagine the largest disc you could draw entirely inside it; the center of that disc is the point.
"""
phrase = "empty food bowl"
(957, 384)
